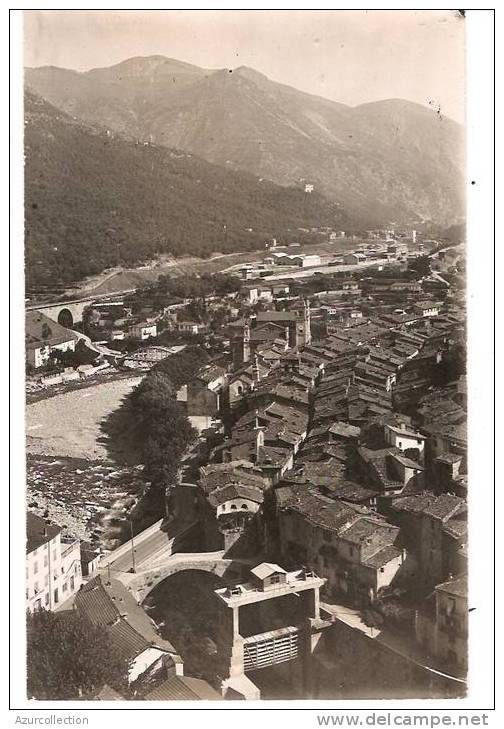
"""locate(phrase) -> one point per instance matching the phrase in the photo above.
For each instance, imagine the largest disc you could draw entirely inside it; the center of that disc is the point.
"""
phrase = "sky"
(348, 56)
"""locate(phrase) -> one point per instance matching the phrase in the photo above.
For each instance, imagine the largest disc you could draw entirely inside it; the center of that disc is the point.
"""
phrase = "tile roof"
(383, 556)
(39, 532)
(440, 507)
(108, 603)
(236, 491)
(319, 510)
(127, 643)
(183, 688)
(365, 528)
(40, 330)
(266, 569)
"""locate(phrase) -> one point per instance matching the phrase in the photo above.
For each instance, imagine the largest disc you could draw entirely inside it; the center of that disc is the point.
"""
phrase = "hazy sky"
(347, 56)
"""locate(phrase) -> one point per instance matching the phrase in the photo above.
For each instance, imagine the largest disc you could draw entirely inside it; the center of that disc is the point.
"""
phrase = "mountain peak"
(250, 74)
(139, 66)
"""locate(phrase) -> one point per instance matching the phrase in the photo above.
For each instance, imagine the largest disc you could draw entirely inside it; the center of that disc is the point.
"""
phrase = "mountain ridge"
(94, 200)
(385, 162)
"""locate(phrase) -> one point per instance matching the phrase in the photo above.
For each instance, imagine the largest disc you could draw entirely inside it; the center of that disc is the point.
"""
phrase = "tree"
(421, 266)
(68, 657)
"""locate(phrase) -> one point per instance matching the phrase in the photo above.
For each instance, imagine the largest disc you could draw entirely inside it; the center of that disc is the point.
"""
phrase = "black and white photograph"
(248, 474)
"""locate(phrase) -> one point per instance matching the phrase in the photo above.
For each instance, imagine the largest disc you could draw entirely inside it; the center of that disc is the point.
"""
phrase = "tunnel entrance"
(65, 318)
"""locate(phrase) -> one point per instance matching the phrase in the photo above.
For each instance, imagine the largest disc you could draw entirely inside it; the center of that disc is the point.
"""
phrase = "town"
(294, 521)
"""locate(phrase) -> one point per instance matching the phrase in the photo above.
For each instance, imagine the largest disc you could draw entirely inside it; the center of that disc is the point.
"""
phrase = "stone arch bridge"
(68, 313)
(153, 556)
(141, 583)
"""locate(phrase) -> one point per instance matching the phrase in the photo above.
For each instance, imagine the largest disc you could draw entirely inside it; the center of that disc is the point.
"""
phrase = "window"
(46, 598)
(244, 506)
(233, 506)
(400, 444)
(56, 597)
(45, 560)
(35, 588)
(35, 568)
(46, 580)
(274, 579)
(65, 586)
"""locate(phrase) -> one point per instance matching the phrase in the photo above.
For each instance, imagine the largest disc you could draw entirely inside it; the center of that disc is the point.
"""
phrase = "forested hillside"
(387, 163)
(94, 199)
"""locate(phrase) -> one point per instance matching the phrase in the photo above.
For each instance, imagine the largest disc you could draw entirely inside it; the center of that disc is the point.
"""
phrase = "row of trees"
(164, 431)
(185, 287)
(163, 428)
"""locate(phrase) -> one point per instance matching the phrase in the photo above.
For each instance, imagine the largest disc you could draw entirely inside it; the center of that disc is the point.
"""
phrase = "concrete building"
(53, 565)
(441, 624)
(272, 619)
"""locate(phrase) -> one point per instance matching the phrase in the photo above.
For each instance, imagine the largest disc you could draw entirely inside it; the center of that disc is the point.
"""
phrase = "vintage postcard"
(246, 380)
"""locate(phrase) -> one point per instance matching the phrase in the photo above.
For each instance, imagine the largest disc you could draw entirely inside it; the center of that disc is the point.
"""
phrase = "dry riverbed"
(76, 474)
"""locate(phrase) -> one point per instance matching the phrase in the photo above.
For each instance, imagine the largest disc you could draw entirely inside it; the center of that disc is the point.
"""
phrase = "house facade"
(53, 565)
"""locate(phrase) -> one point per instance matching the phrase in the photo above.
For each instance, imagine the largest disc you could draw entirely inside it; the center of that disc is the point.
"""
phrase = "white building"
(403, 438)
(305, 261)
(427, 308)
(53, 565)
(143, 330)
(43, 336)
(191, 327)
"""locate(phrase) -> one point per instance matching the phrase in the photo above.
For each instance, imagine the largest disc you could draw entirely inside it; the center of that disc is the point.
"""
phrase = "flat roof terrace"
(246, 593)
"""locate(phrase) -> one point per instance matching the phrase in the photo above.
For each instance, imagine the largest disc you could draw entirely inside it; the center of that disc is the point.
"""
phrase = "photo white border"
(480, 160)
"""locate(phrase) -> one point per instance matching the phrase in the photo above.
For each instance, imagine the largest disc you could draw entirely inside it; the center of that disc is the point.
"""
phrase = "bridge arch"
(65, 318)
(143, 583)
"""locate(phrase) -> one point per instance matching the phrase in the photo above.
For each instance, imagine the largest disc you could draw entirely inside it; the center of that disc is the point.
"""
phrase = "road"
(391, 640)
(149, 547)
(307, 272)
(96, 346)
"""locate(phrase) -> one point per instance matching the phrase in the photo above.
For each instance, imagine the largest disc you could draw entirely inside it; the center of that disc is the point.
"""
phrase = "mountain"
(94, 199)
(384, 162)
